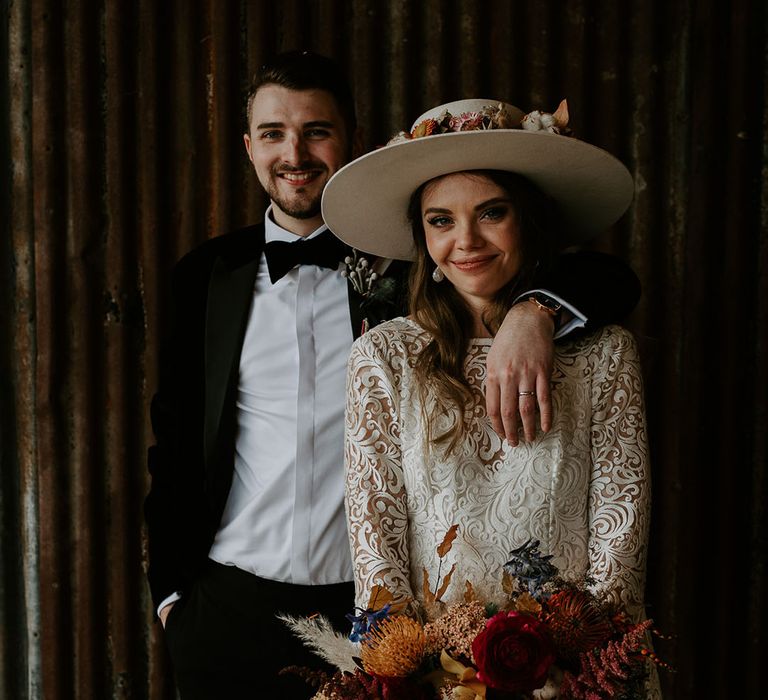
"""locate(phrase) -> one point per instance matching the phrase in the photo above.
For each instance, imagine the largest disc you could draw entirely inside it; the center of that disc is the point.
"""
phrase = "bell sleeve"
(620, 486)
(376, 506)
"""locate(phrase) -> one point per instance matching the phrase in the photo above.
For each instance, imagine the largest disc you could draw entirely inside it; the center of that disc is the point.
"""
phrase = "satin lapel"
(230, 293)
(355, 313)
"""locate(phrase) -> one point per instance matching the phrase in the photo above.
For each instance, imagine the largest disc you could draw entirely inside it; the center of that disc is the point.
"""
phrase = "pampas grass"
(318, 634)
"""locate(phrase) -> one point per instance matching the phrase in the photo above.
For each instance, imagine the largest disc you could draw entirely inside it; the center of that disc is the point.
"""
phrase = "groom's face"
(297, 140)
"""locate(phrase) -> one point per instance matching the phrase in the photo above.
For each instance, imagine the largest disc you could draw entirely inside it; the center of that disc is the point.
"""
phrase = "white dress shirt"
(284, 517)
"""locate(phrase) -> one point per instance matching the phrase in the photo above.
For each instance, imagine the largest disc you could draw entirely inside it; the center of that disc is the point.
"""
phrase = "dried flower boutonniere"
(360, 274)
(380, 294)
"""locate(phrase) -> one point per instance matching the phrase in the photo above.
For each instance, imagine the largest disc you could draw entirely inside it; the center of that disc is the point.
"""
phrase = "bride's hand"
(520, 361)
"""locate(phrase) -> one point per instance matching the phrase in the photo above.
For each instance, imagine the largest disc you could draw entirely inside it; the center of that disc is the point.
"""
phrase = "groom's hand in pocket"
(165, 612)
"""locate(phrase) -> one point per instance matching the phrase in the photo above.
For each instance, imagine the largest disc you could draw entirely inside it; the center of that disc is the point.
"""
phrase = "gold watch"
(546, 304)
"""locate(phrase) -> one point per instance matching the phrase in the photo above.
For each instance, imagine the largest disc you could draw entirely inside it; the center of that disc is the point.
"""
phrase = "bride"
(479, 210)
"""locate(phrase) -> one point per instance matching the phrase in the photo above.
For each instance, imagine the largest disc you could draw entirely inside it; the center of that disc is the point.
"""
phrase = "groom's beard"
(298, 202)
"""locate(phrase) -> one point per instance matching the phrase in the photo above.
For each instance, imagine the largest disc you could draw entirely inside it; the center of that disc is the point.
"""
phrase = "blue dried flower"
(529, 566)
(366, 621)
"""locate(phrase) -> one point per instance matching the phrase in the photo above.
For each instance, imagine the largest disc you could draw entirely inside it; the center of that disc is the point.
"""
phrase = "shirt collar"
(273, 232)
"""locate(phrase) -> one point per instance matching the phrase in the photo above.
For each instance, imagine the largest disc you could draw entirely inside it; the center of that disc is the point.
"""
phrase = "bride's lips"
(474, 263)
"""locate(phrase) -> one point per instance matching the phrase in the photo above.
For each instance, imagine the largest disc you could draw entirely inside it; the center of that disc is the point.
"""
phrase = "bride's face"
(471, 234)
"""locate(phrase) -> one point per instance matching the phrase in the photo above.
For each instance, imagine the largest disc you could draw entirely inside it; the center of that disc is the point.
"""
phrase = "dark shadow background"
(121, 148)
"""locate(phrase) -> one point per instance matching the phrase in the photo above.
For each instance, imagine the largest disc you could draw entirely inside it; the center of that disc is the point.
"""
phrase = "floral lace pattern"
(583, 489)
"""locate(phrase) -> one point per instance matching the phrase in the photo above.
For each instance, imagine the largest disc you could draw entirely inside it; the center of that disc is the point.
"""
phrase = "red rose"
(513, 652)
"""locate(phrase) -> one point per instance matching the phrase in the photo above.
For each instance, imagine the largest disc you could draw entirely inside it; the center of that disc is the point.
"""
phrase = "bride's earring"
(438, 275)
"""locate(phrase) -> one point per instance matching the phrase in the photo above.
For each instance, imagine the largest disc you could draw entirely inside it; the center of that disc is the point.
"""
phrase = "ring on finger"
(526, 393)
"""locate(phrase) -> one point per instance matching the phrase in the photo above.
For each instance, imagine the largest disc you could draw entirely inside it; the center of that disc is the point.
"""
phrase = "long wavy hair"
(440, 310)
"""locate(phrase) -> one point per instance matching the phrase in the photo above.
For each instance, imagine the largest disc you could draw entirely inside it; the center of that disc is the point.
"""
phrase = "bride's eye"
(439, 221)
(494, 213)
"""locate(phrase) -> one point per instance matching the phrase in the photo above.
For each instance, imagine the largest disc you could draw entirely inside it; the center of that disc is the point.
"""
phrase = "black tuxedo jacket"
(194, 412)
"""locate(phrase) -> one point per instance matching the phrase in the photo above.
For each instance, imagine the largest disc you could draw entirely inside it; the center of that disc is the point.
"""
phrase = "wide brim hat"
(365, 203)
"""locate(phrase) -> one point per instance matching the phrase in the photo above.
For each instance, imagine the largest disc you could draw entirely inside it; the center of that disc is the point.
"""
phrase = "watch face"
(546, 302)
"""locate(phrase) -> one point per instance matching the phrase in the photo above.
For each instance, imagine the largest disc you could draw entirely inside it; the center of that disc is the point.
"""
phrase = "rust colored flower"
(361, 686)
(616, 670)
(513, 653)
(426, 128)
(576, 622)
(394, 648)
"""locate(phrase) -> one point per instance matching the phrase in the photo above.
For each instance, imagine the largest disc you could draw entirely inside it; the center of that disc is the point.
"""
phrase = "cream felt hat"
(365, 203)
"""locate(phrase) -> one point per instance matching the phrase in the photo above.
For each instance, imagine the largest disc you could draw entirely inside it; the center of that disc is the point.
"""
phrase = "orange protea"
(576, 622)
(394, 648)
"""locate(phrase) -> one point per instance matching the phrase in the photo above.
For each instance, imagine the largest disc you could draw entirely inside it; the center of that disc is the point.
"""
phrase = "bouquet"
(551, 638)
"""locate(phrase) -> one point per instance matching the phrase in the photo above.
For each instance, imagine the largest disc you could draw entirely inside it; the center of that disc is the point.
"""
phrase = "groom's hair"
(305, 70)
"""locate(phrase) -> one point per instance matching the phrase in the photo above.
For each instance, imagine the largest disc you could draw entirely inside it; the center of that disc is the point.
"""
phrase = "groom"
(245, 515)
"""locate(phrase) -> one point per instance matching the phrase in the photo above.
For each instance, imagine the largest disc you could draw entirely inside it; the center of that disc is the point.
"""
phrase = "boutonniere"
(380, 294)
(360, 274)
(369, 284)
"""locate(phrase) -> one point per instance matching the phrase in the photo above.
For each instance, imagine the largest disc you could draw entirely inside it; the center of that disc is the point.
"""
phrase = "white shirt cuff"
(170, 599)
(578, 319)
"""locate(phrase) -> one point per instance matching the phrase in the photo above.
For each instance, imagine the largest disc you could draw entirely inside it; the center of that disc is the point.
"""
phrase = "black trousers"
(225, 642)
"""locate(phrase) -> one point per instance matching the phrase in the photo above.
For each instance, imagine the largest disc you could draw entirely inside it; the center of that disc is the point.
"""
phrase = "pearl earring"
(438, 275)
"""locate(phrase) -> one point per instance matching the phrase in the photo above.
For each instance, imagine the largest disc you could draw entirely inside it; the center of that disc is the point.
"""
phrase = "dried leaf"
(469, 592)
(380, 596)
(561, 114)
(527, 603)
(445, 546)
(429, 597)
(401, 605)
(507, 583)
(445, 584)
(434, 610)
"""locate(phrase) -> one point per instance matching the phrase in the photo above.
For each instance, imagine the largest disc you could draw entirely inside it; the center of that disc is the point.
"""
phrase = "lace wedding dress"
(583, 489)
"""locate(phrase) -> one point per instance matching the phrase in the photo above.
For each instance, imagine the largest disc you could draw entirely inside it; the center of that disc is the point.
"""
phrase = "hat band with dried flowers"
(487, 118)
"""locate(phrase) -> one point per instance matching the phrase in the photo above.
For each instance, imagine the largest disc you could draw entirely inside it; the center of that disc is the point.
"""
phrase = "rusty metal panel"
(20, 661)
(122, 149)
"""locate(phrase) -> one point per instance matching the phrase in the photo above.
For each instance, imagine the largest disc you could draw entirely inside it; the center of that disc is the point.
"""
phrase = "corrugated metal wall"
(121, 149)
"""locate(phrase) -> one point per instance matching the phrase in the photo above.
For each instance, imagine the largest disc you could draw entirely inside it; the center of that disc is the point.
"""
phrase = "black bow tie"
(324, 250)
